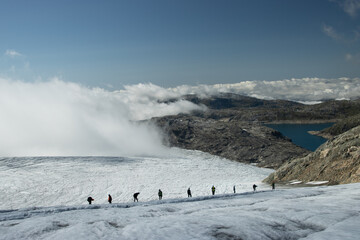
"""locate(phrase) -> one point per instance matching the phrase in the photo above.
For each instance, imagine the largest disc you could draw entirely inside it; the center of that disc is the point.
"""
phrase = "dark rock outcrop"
(231, 126)
(336, 161)
(339, 127)
(251, 109)
(236, 140)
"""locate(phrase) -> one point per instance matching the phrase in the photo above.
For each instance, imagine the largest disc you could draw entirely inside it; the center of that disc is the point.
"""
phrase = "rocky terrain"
(336, 161)
(232, 127)
(275, 111)
(339, 127)
(233, 139)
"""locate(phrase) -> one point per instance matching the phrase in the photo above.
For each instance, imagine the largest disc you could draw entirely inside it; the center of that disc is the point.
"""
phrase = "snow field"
(45, 198)
(299, 213)
(53, 181)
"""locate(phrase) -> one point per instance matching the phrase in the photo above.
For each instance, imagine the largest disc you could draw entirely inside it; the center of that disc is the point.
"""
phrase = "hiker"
(135, 196)
(234, 189)
(213, 190)
(160, 194)
(273, 186)
(109, 199)
(189, 192)
(90, 199)
(254, 187)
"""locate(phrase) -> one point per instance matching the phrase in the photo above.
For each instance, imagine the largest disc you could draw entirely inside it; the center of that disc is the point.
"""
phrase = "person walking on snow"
(189, 192)
(213, 190)
(234, 189)
(273, 186)
(160, 194)
(90, 199)
(135, 196)
(109, 199)
(254, 187)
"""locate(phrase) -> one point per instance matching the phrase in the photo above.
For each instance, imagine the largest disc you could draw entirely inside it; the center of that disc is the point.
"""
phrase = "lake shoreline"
(300, 121)
(320, 134)
(303, 135)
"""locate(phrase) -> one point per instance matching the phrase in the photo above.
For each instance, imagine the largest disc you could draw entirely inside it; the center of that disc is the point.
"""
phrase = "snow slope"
(298, 213)
(45, 198)
(50, 181)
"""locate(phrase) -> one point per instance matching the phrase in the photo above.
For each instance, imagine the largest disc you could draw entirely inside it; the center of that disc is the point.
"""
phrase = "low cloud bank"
(61, 118)
(58, 118)
(295, 89)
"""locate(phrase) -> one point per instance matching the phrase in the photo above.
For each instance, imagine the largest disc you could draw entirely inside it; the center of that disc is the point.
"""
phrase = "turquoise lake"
(299, 135)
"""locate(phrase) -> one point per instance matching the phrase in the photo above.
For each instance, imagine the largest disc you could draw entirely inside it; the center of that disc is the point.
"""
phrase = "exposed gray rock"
(340, 127)
(336, 161)
(231, 127)
(251, 109)
(236, 140)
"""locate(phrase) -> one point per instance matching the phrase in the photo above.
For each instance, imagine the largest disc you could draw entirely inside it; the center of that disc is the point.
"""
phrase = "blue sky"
(169, 43)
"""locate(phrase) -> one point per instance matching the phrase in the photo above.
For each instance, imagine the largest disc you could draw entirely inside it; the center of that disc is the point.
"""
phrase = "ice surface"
(295, 182)
(317, 182)
(45, 198)
(50, 181)
(297, 213)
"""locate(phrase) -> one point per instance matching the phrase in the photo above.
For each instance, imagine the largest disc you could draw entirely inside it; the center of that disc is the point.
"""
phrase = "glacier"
(326, 212)
(45, 198)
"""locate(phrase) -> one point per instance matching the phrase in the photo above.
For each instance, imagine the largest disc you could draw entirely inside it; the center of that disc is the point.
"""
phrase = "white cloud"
(351, 7)
(12, 53)
(344, 39)
(64, 118)
(145, 101)
(295, 89)
(331, 32)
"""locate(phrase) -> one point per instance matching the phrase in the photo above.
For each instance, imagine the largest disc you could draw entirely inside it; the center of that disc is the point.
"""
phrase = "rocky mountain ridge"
(232, 139)
(257, 110)
(339, 127)
(232, 127)
(336, 161)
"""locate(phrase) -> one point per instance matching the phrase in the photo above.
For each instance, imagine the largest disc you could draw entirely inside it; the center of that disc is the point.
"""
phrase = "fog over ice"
(62, 118)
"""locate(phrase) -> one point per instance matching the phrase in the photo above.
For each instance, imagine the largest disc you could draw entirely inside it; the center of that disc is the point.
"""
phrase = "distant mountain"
(231, 100)
(336, 161)
(251, 109)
